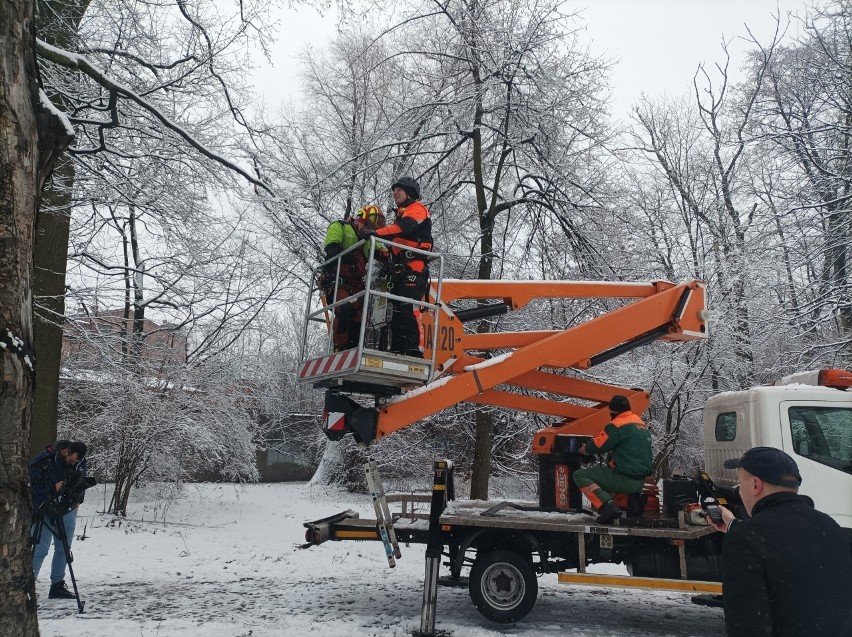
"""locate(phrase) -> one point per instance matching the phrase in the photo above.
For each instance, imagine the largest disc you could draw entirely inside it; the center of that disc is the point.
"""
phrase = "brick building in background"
(105, 337)
(96, 344)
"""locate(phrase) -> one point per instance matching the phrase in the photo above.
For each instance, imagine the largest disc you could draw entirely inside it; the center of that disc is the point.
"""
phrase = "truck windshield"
(823, 434)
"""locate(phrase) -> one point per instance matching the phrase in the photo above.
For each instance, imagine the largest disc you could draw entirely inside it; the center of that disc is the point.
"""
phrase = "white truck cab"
(808, 415)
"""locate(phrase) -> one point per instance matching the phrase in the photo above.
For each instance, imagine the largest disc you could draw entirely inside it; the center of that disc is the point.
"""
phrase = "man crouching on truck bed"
(628, 443)
(787, 570)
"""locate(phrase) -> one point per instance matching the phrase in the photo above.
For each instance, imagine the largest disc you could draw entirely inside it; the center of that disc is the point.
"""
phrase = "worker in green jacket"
(627, 443)
(343, 277)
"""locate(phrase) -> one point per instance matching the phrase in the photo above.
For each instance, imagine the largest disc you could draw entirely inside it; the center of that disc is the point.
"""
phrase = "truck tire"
(503, 586)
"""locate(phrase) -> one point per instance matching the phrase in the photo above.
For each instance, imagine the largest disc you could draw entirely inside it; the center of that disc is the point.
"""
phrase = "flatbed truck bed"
(517, 515)
(507, 544)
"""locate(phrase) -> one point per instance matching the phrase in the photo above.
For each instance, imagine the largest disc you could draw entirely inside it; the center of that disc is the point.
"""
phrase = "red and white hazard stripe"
(334, 421)
(328, 364)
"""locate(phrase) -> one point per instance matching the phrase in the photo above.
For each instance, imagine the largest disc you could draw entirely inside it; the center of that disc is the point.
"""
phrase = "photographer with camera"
(58, 482)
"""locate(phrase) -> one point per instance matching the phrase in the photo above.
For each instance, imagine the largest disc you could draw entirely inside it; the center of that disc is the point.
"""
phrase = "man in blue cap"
(787, 569)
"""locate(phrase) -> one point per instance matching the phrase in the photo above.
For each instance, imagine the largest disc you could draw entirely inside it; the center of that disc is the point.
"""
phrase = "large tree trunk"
(481, 472)
(480, 476)
(58, 22)
(29, 142)
(18, 201)
(50, 258)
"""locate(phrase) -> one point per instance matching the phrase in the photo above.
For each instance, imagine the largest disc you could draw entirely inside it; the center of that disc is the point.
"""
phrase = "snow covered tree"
(804, 120)
(701, 154)
(205, 277)
(501, 120)
(129, 75)
(509, 75)
(163, 426)
(744, 187)
(33, 135)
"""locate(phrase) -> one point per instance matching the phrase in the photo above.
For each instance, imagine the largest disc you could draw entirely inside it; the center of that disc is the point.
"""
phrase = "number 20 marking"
(446, 338)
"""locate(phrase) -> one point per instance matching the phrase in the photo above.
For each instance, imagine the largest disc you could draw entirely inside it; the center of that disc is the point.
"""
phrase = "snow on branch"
(50, 107)
(78, 62)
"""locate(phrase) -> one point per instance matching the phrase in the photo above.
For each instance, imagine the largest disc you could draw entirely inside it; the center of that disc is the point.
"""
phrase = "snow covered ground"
(226, 562)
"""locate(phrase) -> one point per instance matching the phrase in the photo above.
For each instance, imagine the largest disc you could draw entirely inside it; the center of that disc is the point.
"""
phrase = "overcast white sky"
(659, 43)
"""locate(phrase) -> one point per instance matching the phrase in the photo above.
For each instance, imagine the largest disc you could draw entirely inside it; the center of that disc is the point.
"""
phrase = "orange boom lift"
(458, 366)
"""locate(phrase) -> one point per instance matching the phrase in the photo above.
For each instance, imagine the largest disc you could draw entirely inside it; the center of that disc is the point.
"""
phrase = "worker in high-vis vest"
(409, 271)
(627, 443)
(344, 277)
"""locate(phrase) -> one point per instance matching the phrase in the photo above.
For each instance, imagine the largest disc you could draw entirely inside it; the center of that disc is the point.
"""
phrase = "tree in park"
(111, 69)
(702, 150)
(519, 81)
(32, 137)
(803, 123)
(501, 120)
(129, 76)
(204, 277)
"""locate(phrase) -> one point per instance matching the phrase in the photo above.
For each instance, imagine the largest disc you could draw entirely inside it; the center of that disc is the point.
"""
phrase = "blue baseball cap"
(769, 464)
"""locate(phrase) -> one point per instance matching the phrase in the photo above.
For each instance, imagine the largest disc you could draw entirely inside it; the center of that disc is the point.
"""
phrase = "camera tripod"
(48, 516)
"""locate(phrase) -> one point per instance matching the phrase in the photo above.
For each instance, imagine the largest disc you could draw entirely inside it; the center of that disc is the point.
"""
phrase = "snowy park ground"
(221, 559)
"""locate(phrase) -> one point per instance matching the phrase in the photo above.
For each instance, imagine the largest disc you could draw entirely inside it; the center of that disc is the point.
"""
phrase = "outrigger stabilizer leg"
(442, 491)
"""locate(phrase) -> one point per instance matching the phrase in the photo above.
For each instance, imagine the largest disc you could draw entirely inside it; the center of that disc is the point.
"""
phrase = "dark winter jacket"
(628, 442)
(787, 572)
(46, 469)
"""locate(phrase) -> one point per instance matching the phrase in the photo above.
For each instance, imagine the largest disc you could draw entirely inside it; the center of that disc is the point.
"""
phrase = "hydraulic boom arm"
(660, 311)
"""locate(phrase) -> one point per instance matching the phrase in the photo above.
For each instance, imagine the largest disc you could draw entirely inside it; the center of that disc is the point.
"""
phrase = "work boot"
(609, 512)
(414, 353)
(58, 590)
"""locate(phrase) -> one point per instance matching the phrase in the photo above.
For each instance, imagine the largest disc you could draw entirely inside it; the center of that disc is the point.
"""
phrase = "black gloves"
(367, 233)
(332, 250)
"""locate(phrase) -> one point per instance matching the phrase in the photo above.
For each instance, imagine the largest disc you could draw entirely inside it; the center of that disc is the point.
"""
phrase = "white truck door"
(818, 435)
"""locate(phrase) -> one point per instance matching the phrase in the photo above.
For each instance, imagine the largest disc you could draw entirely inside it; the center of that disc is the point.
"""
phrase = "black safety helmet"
(409, 185)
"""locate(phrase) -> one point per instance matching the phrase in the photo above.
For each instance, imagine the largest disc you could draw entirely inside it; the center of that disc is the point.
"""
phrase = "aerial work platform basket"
(368, 367)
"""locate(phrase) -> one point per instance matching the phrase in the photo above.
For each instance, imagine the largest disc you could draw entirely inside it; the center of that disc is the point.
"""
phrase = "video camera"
(74, 490)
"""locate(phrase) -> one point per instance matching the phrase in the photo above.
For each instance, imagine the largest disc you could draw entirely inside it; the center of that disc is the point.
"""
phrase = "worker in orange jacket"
(627, 443)
(409, 271)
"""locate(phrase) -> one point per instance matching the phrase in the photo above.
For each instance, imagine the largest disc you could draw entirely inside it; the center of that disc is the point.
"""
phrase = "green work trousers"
(599, 481)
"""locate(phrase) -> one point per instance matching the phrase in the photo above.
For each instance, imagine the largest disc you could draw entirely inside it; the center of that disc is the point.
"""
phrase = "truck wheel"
(503, 586)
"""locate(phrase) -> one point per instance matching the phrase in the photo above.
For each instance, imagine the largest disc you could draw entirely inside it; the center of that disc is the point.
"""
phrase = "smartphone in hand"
(712, 509)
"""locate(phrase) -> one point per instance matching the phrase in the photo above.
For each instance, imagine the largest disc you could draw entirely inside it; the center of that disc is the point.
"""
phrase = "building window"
(726, 426)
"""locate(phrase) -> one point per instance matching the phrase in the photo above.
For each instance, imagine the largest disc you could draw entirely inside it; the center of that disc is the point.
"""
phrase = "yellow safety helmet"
(372, 214)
